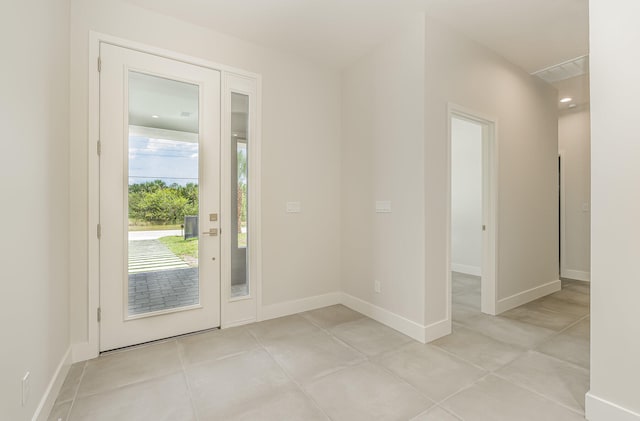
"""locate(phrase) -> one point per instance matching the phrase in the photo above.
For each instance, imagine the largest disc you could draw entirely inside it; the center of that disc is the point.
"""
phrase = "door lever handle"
(212, 232)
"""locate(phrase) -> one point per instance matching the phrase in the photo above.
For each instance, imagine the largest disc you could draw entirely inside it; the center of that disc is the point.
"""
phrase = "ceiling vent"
(572, 68)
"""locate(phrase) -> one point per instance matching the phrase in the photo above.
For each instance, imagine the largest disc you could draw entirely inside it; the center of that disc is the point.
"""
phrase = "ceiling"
(163, 104)
(576, 88)
(533, 34)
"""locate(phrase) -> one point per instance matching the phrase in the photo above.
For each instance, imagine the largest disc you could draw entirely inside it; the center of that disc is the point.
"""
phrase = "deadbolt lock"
(213, 217)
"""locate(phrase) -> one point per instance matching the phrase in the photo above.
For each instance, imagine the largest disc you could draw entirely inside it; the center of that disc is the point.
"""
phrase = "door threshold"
(157, 341)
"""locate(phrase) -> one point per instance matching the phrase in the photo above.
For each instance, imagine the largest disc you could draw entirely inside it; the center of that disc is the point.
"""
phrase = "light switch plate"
(383, 206)
(294, 207)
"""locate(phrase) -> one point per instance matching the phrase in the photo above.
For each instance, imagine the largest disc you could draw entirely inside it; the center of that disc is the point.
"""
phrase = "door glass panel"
(239, 194)
(163, 194)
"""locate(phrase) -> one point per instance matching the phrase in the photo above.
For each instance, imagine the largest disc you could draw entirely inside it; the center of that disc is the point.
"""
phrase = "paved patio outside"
(158, 279)
(162, 290)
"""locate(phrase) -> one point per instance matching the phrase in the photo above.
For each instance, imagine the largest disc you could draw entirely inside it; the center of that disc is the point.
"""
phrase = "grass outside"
(185, 249)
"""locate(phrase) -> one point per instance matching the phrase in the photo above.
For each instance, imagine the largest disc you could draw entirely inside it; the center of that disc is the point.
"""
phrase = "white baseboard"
(437, 330)
(527, 296)
(287, 308)
(53, 388)
(83, 351)
(578, 275)
(469, 270)
(410, 328)
(598, 409)
(238, 323)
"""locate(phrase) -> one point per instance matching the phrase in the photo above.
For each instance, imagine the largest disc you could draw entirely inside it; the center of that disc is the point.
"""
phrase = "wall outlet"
(376, 286)
(294, 207)
(26, 388)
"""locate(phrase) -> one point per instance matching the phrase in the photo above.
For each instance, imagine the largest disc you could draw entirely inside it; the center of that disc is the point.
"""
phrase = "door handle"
(212, 232)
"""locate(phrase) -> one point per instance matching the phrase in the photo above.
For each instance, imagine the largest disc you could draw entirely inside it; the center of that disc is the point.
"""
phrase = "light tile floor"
(531, 363)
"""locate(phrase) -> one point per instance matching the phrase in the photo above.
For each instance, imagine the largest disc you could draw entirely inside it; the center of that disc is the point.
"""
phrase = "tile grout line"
(550, 399)
(372, 360)
(75, 394)
(286, 373)
(139, 381)
(439, 407)
(558, 333)
(186, 380)
(526, 350)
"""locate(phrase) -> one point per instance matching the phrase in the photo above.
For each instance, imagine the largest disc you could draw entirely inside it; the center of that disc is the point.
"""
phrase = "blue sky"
(159, 159)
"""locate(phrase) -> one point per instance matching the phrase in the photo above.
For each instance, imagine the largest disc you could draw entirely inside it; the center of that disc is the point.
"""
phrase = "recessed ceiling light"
(155, 116)
(235, 135)
(567, 99)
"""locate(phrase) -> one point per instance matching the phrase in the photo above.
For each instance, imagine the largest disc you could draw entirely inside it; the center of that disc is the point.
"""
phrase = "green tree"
(155, 202)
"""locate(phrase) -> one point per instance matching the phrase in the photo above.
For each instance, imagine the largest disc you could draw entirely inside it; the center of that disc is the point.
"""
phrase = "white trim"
(257, 210)
(598, 409)
(237, 323)
(527, 296)
(562, 217)
(241, 310)
(466, 269)
(578, 275)
(90, 349)
(436, 330)
(386, 317)
(53, 389)
(288, 308)
(489, 272)
(83, 351)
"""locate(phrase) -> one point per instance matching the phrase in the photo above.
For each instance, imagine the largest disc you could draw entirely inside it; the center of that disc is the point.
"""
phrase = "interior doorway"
(159, 197)
(472, 205)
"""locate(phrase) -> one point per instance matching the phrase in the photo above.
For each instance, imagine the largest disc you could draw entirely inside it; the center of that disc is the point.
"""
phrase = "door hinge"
(99, 231)
(99, 64)
(99, 314)
(99, 147)
(484, 228)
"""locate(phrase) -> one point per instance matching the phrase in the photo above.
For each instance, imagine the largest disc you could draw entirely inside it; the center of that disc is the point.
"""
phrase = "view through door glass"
(163, 194)
(239, 194)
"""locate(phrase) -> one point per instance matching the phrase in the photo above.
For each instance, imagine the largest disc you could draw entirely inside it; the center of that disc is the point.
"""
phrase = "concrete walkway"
(152, 256)
(152, 235)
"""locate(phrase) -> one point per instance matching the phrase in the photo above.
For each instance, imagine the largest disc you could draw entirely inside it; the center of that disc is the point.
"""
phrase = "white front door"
(159, 197)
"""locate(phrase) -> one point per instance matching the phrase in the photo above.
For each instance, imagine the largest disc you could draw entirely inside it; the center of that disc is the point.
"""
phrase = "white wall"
(301, 149)
(34, 252)
(615, 206)
(383, 160)
(574, 138)
(466, 197)
(463, 72)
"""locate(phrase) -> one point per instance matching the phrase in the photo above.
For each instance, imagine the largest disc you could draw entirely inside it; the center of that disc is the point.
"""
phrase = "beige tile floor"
(531, 363)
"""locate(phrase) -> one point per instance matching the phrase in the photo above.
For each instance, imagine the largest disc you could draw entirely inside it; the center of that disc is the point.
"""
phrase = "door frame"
(561, 216)
(489, 278)
(91, 348)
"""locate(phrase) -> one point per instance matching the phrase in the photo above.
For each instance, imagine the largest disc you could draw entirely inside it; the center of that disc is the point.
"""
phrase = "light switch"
(585, 207)
(294, 207)
(383, 206)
